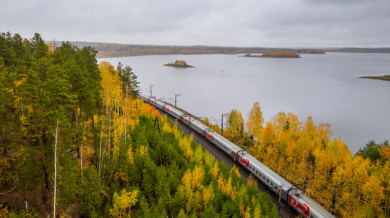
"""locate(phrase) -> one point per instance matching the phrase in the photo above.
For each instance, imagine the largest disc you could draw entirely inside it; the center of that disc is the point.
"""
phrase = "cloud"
(266, 23)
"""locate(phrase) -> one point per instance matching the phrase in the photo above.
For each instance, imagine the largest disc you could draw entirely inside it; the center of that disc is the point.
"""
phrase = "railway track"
(285, 211)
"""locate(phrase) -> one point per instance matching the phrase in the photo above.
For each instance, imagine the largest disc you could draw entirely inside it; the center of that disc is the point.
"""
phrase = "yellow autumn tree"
(216, 128)
(206, 122)
(251, 181)
(215, 170)
(123, 202)
(207, 195)
(247, 213)
(255, 121)
(197, 177)
(236, 123)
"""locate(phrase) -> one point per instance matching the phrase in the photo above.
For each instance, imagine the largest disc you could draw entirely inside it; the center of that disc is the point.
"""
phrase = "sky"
(246, 23)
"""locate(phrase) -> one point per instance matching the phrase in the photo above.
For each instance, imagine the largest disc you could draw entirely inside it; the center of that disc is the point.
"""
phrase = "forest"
(303, 152)
(76, 142)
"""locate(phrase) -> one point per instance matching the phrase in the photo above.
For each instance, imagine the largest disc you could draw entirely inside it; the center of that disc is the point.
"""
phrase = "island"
(277, 54)
(384, 77)
(178, 63)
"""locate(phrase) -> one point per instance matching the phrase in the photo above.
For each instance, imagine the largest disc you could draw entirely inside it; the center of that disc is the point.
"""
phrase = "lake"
(324, 86)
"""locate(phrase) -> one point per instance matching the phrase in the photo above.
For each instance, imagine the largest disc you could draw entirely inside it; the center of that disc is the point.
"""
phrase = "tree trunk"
(93, 123)
(77, 126)
(44, 167)
(55, 171)
(81, 157)
(109, 133)
(3, 141)
(387, 199)
(100, 150)
(46, 176)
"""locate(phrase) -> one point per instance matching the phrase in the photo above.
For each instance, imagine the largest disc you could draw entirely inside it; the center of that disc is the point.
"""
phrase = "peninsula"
(277, 54)
(179, 64)
(385, 77)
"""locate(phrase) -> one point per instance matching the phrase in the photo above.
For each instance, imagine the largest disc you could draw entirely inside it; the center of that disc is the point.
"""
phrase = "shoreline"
(383, 78)
(258, 56)
(179, 66)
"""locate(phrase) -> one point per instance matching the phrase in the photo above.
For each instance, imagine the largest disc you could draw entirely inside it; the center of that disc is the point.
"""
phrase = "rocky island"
(277, 54)
(385, 77)
(179, 63)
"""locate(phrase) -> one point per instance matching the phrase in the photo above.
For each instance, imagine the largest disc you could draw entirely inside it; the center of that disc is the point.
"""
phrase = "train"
(294, 197)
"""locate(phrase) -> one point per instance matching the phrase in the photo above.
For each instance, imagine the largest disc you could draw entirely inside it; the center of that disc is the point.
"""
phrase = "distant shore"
(384, 77)
(278, 54)
(259, 56)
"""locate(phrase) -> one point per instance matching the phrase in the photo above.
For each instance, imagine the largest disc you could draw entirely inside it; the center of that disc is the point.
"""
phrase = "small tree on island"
(247, 55)
(181, 62)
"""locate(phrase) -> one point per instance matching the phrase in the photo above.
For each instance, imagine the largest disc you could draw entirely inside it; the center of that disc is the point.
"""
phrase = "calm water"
(323, 86)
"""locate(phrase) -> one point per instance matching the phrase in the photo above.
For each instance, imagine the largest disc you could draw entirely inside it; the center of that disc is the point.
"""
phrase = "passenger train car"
(290, 194)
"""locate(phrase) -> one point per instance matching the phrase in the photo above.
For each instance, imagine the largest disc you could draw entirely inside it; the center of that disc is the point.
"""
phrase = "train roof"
(233, 146)
(286, 184)
(143, 95)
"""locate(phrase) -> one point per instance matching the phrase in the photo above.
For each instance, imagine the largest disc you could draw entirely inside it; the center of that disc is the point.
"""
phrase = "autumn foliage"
(305, 152)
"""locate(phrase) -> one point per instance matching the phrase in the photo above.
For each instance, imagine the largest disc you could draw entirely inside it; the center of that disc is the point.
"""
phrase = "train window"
(263, 177)
(272, 184)
(268, 180)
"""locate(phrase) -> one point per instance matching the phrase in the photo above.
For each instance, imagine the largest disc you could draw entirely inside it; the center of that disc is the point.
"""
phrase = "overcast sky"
(263, 23)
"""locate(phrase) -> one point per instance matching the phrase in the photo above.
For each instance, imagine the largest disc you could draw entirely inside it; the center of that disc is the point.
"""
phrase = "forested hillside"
(77, 143)
(120, 50)
(304, 152)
